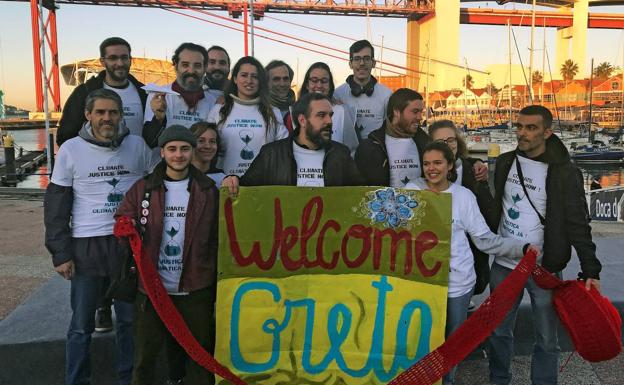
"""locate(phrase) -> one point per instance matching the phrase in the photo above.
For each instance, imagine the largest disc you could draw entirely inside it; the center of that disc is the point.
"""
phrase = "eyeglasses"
(114, 58)
(450, 141)
(319, 80)
(365, 59)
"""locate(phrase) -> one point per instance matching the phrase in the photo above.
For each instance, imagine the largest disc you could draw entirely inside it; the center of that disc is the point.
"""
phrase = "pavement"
(34, 310)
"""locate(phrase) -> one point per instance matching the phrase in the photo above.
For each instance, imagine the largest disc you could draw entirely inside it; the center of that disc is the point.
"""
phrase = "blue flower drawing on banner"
(392, 208)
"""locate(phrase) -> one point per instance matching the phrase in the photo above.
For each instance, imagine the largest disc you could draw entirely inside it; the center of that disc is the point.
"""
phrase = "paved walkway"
(25, 265)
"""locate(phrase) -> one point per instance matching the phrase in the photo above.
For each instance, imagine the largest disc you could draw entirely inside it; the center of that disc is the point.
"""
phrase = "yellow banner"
(325, 286)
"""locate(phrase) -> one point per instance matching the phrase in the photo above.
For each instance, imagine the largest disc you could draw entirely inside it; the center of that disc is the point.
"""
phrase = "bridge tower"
(435, 36)
(574, 37)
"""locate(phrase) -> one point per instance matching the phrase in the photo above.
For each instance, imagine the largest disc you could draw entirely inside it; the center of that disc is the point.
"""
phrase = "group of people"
(159, 158)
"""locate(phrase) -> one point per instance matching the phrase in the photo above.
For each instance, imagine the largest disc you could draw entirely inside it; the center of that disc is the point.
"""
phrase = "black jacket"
(275, 165)
(73, 112)
(567, 216)
(371, 156)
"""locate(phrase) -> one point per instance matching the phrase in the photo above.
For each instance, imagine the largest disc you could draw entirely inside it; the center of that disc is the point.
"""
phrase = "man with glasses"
(116, 59)
(361, 92)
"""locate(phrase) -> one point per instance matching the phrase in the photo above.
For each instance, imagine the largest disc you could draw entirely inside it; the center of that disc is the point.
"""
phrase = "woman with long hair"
(318, 78)
(446, 131)
(439, 171)
(206, 153)
(246, 121)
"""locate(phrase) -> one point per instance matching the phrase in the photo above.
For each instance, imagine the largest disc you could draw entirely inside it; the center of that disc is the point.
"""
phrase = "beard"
(176, 166)
(110, 71)
(191, 86)
(317, 137)
(216, 83)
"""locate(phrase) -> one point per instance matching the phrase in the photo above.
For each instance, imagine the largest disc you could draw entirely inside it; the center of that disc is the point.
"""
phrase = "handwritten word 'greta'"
(285, 239)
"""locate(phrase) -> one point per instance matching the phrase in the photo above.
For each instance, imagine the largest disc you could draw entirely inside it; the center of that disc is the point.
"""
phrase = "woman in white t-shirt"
(246, 121)
(439, 170)
(318, 78)
(205, 154)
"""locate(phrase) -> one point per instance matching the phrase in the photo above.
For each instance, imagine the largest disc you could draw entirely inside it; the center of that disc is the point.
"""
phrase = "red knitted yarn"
(164, 306)
(593, 323)
(472, 332)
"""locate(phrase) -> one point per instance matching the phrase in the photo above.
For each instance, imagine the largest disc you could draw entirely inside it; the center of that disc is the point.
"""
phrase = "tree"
(568, 70)
(491, 89)
(537, 77)
(468, 81)
(604, 70)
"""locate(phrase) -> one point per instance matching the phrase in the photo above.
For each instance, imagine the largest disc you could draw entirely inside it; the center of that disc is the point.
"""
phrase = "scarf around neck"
(282, 103)
(191, 98)
(250, 102)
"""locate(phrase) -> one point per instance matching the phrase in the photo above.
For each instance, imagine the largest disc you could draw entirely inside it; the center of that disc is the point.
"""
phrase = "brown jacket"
(199, 257)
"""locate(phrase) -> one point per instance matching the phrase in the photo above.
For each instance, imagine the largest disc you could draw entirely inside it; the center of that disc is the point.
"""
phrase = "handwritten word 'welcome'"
(285, 239)
(339, 321)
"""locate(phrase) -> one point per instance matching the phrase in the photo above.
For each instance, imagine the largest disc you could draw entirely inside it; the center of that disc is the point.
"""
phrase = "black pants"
(150, 334)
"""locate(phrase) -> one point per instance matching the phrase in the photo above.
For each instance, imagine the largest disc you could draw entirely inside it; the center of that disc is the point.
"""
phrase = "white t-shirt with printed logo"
(100, 177)
(174, 226)
(242, 135)
(309, 166)
(403, 159)
(178, 112)
(370, 110)
(519, 220)
(132, 106)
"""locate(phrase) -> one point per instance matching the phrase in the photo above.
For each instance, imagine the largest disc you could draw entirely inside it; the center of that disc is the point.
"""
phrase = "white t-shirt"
(309, 166)
(178, 111)
(100, 177)
(467, 219)
(370, 110)
(519, 219)
(459, 168)
(243, 133)
(343, 127)
(174, 225)
(133, 109)
(403, 159)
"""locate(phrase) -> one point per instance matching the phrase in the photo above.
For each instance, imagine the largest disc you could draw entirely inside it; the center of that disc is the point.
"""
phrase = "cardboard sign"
(328, 286)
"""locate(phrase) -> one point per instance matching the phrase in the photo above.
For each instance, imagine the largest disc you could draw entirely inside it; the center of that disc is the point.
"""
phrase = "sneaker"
(175, 382)
(103, 320)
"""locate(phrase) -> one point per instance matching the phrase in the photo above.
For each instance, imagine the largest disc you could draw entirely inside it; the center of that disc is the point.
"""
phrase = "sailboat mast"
(531, 54)
(509, 52)
(591, 96)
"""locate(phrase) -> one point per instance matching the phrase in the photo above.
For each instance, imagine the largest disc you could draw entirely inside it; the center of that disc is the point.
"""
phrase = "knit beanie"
(176, 132)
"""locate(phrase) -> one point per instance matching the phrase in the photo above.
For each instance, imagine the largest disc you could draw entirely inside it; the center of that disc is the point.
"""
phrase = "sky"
(155, 33)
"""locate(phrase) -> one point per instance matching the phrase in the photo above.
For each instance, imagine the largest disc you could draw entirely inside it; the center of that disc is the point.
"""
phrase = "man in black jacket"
(540, 199)
(116, 59)
(307, 158)
(392, 154)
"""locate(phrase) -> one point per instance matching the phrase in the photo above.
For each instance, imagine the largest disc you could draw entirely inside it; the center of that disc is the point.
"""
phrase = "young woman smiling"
(246, 121)
(318, 78)
(446, 131)
(205, 154)
(439, 170)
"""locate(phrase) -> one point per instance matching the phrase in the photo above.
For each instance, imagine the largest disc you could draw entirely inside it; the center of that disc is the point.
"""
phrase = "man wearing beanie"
(176, 208)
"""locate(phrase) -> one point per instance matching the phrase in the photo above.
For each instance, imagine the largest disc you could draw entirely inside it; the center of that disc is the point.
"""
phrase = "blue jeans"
(456, 314)
(545, 357)
(85, 296)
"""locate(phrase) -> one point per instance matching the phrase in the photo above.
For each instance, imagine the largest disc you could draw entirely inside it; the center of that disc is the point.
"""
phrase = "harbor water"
(35, 139)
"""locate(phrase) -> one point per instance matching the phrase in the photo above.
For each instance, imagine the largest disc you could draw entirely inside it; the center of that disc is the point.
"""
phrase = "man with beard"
(192, 104)
(282, 96)
(180, 238)
(392, 154)
(217, 71)
(91, 175)
(116, 59)
(361, 92)
(307, 158)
